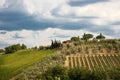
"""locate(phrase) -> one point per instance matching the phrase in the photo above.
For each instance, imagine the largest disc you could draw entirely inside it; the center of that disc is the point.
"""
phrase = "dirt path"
(67, 61)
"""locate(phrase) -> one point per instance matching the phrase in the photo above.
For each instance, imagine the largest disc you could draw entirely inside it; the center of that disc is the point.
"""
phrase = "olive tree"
(100, 36)
(86, 37)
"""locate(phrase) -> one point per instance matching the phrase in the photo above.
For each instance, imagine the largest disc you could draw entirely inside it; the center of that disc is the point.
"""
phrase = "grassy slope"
(12, 64)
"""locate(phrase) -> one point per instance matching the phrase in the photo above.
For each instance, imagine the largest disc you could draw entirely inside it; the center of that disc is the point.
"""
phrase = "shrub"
(79, 74)
(114, 74)
(99, 75)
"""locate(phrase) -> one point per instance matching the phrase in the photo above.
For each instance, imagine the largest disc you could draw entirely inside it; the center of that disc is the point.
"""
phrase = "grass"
(13, 64)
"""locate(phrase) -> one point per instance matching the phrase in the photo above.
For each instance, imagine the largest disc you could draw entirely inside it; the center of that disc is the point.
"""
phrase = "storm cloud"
(42, 18)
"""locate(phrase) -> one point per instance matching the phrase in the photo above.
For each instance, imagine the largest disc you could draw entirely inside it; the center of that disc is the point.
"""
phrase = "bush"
(114, 74)
(99, 75)
(61, 73)
(56, 73)
(79, 74)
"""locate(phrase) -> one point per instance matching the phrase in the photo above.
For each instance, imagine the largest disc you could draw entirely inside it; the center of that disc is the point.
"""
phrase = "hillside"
(12, 64)
(90, 55)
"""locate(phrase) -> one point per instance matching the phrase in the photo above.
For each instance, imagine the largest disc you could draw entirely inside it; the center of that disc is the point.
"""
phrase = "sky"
(37, 22)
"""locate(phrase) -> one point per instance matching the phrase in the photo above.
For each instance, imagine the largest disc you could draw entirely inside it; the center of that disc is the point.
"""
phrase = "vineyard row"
(93, 61)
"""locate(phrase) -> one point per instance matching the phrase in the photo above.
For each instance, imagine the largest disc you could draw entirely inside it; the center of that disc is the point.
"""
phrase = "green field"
(13, 64)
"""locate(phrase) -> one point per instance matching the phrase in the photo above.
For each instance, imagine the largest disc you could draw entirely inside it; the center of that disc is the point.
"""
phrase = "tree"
(86, 37)
(100, 36)
(41, 48)
(75, 39)
(1, 50)
(55, 44)
(56, 73)
(23, 46)
(12, 48)
(17, 47)
(35, 48)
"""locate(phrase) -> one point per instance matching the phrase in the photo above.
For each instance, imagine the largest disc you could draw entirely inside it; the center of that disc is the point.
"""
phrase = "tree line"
(54, 45)
(14, 48)
(87, 37)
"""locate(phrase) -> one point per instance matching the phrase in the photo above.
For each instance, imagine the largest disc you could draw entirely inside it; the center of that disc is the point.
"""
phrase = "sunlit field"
(12, 64)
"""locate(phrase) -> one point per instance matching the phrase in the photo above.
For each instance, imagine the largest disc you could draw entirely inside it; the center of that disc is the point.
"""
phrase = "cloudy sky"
(36, 22)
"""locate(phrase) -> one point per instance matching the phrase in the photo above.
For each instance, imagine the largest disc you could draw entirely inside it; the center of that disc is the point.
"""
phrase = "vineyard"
(93, 61)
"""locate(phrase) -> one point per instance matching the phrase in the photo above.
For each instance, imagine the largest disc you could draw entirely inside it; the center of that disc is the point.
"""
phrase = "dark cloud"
(3, 32)
(19, 20)
(11, 21)
(84, 2)
(15, 17)
(115, 23)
